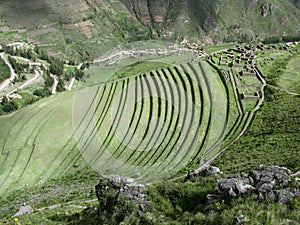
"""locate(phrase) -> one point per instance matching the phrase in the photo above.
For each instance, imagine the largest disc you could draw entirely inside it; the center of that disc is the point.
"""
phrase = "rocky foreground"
(119, 197)
(266, 182)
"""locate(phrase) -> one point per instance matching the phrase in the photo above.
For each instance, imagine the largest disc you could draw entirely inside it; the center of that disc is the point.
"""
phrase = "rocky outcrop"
(266, 9)
(114, 187)
(24, 209)
(206, 171)
(270, 182)
(120, 196)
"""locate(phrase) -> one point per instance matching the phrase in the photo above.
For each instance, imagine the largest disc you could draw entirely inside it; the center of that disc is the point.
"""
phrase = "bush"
(4, 71)
(42, 92)
(56, 67)
(49, 81)
(9, 106)
(61, 85)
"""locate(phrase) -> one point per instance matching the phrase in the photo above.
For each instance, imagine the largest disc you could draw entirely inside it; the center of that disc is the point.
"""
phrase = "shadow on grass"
(87, 216)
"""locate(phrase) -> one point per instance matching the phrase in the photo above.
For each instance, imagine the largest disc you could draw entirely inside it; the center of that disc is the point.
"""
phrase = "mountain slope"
(87, 28)
(229, 19)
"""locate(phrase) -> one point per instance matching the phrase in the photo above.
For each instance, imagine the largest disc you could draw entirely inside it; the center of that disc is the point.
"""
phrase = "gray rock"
(216, 170)
(234, 186)
(232, 193)
(266, 187)
(277, 176)
(270, 182)
(206, 171)
(24, 209)
(109, 191)
(241, 219)
(270, 195)
(265, 9)
(285, 195)
(244, 188)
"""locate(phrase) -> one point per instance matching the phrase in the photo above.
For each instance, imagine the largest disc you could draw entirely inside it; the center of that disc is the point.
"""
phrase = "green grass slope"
(147, 126)
(37, 143)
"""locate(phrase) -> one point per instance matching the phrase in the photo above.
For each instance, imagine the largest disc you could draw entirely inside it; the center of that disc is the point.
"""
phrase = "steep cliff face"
(226, 20)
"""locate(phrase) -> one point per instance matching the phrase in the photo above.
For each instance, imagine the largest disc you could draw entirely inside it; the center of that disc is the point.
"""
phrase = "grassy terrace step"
(205, 105)
(33, 144)
(191, 93)
(148, 126)
(219, 105)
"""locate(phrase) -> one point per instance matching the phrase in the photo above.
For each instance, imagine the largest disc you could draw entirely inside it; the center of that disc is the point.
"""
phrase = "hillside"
(217, 21)
(151, 126)
(88, 28)
(148, 111)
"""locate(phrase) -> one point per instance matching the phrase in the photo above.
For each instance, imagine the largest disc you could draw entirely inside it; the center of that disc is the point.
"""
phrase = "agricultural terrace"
(148, 126)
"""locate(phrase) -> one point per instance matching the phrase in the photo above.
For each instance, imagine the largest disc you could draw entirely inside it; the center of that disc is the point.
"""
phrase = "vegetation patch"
(138, 68)
(4, 70)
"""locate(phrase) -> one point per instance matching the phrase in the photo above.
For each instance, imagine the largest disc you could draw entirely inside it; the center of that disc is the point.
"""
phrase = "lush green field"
(37, 143)
(139, 126)
(290, 80)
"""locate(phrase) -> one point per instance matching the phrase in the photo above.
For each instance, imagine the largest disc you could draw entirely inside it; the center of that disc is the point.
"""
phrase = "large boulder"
(270, 182)
(234, 186)
(271, 176)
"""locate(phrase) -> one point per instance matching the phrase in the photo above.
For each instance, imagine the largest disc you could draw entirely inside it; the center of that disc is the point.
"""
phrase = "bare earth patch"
(69, 26)
(159, 19)
(85, 26)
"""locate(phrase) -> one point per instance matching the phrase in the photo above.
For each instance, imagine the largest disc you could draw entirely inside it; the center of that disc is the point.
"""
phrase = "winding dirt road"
(37, 75)
(5, 83)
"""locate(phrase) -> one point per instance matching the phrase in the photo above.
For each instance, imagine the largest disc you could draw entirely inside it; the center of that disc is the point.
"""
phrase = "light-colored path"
(5, 83)
(71, 84)
(79, 66)
(123, 54)
(18, 43)
(286, 91)
(54, 86)
(28, 82)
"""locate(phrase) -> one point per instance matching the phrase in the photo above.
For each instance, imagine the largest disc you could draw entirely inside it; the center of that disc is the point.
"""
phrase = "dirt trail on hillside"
(124, 54)
(54, 86)
(26, 83)
(5, 83)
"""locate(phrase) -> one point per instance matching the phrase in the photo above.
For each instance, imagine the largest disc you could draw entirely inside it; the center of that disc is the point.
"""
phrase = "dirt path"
(54, 86)
(5, 83)
(124, 54)
(37, 75)
(68, 204)
(71, 84)
(286, 91)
